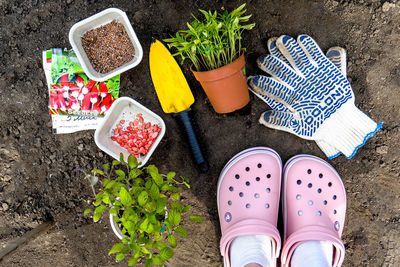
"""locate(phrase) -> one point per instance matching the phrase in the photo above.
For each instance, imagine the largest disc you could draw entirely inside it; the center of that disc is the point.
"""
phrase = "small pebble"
(387, 6)
(382, 149)
(80, 147)
(4, 206)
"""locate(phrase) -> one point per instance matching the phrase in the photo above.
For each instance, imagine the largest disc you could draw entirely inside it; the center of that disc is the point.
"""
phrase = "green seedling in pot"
(213, 42)
(214, 45)
(145, 207)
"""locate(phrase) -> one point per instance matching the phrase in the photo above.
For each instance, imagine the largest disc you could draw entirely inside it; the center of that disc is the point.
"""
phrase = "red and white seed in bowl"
(136, 136)
(130, 128)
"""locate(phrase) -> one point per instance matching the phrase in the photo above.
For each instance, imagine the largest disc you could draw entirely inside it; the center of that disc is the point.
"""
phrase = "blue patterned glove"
(318, 98)
(337, 56)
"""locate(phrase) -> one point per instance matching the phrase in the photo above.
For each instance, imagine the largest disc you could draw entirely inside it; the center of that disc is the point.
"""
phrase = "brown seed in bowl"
(108, 47)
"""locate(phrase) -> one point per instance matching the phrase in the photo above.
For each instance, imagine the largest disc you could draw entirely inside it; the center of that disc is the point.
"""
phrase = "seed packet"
(75, 102)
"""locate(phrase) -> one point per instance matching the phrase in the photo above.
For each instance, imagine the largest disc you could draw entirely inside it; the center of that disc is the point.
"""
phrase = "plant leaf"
(159, 245)
(106, 166)
(98, 171)
(195, 218)
(175, 196)
(170, 175)
(86, 211)
(154, 191)
(148, 263)
(125, 197)
(116, 248)
(120, 257)
(174, 217)
(181, 231)
(166, 253)
(176, 205)
(100, 209)
(134, 173)
(106, 198)
(143, 226)
(172, 240)
(157, 261)
(113, 211)
(132, 161)
(96, 217)
(161, 203)
(150, 206)
(142, 198)
(115, 162)
(132, 261)
(120, 173)
(186, 209)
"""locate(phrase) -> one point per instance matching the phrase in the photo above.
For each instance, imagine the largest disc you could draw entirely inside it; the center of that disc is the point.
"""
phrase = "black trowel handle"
(201, 163)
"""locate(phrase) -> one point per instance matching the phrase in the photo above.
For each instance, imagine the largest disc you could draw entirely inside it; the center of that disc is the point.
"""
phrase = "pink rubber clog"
(248, 198)
(313, 204)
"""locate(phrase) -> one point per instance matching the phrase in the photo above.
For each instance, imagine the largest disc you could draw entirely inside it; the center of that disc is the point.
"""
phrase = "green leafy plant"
(146, 206)
(213, 42)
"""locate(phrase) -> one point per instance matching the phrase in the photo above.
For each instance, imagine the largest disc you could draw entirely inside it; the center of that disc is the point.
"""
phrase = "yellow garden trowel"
(174, 94)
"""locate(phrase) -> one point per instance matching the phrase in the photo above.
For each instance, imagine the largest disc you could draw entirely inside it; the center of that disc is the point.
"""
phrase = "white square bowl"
(104, 17)
(125, 108)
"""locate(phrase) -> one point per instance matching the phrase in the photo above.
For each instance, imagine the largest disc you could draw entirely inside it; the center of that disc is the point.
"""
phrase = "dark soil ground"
(36, 179)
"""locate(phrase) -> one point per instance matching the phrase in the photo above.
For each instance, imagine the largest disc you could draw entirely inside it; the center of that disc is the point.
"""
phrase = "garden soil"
(36, 179)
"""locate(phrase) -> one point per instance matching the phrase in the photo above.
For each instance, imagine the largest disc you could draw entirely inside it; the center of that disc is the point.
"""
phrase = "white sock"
(251, 249)
(313, 254)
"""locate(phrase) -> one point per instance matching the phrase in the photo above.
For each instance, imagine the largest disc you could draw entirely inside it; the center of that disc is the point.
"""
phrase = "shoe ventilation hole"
(259, 165)
(237, 176)
(298, 197)
(241, 194)
(321, 175)
(319, 213)
(268, 175)
(247, 183)
(257, 179)
(309, 171)
(309, 185)
(229, 202)
(325, 202)
(231, 188)
(268, 190)
(310, 203)
(256, 195)
(334, 197)
(329, 184)
(299, 213)
(299, 182)
(319, 190)
(267, 206)
(248, 206)
(247, 169)
(334, 211)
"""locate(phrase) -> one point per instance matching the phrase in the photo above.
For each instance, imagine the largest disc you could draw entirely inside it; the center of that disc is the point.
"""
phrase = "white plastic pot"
(114, 226)
(117, 231)
(125, 108)
(95, 21)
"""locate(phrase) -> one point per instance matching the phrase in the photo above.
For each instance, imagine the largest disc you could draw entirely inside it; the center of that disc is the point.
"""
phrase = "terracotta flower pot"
(226, 87)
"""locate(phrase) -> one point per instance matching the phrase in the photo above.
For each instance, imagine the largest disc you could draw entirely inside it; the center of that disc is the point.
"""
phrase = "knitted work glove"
(318, 98)
(337, 56)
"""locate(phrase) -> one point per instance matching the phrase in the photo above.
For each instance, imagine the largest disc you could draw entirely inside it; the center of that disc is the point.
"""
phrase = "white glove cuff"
(347, 129)
(329, 150)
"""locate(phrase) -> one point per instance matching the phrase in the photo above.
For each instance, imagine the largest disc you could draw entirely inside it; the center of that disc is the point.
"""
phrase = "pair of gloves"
(310, 96)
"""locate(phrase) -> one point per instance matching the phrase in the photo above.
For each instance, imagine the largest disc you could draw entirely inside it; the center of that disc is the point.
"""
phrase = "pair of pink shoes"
(313, 202)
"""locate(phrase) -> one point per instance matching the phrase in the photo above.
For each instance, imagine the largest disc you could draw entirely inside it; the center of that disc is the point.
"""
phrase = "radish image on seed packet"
(75, 102)
(73, 93)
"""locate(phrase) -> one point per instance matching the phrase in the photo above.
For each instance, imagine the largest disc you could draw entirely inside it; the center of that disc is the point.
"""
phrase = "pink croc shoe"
(314, 206)
(248, 198)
